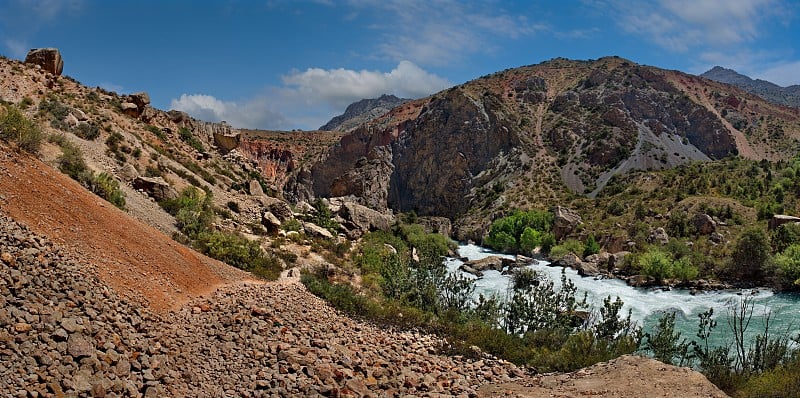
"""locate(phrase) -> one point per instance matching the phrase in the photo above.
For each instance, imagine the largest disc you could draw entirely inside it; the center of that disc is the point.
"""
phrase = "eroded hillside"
(536, 134)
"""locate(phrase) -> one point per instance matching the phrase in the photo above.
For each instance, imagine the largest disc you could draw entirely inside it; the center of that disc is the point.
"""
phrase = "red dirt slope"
(135, 259)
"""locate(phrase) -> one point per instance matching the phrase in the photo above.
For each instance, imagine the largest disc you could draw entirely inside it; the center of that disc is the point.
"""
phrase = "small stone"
(22, 327)
(79, 346)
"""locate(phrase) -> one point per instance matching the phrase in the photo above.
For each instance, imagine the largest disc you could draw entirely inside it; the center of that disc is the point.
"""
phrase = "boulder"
(704, 224)
(279, 208)
(615, 260)
(466, 268)
(658, 235)
(71, 121)
(48, 58)
(365, 218)
(495, 263)
(304, 207)
(128, 172)
(586, 268)
(564, 221)
(255, 188)
(441, 225)
(178, 116)
(269, 221)
(141, 99)
(569, 260)
(315, 230)
(716, 237)
(155, 187)
(130, 109)
(780, 219)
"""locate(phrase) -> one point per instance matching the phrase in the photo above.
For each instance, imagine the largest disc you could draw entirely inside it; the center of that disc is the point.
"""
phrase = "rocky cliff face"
(363, 111)
(520, 135)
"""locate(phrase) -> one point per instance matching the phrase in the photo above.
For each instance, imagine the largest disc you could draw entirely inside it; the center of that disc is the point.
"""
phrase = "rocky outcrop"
(364, 218)
(658, 235)
(779, 219)
(155, 187)
(564, 221)
(439, 225)
(48, 58)
(363, 111)
(704, 224)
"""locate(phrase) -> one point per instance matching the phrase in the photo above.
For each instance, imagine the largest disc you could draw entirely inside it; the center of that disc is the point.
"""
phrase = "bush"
(788, 267)
(238, 251)
(591, 247)
(106, 187)
(189, 138)
(568, 246)
(784, 236)
(14, 126)
(72, 164)
(87, 131)
(750, 254)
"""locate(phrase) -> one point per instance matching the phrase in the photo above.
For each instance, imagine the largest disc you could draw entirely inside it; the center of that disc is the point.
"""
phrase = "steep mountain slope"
(519, 136)
(363, 111)
(133, 258)
(770, 91)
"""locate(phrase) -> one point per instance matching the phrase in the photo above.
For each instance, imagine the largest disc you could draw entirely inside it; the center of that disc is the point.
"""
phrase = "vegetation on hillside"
(194, 213)
(536, 323)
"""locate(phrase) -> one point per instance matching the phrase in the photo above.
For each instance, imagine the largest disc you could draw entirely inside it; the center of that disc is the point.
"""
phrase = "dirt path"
(135, 259)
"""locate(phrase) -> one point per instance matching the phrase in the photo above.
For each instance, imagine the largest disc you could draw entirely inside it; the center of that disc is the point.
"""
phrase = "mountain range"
(770, 91)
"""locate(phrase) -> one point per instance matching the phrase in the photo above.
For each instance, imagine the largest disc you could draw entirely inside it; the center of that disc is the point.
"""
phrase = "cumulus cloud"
(310, 98)
(253, 113)
(680, 25)
(337, 88)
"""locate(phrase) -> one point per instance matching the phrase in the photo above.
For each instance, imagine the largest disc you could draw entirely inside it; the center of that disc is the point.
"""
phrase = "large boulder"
(365, 218)
(495, 263)
(141, 99)
(255, 188)
(564, 221)
(155, 187)
(441, 225)
(130, 109)
(279, 208)
(315, 230)
(48, 58)
(704, 224)
(659, 235)
(780, 219)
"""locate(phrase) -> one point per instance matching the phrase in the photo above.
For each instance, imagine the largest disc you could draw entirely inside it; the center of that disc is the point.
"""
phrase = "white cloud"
(310, 98)
(442, 32)
(253, 113)
(337, 88)
(680, 25)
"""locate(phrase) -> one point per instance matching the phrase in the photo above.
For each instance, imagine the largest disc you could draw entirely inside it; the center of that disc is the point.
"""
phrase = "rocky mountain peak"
(363, 111)
(769, 91)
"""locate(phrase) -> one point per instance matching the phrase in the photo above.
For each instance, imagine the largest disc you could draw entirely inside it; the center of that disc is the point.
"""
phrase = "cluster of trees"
(522, 232)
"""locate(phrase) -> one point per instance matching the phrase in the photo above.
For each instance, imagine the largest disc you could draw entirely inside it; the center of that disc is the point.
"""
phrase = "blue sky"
(294, 64)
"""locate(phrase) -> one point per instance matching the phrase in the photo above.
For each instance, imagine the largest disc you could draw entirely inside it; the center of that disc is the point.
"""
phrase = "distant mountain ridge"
(363, 111)
(764, 89)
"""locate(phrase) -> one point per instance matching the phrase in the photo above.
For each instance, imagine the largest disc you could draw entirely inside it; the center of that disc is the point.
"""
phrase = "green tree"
(750, 254)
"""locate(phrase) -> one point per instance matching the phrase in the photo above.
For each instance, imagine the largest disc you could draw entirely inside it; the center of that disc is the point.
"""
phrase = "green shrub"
(573, 246)
(189, 138)
(106, 187)
(657, 264)
(591, 247)
(238, 251)
(87, 131)
(72, 164)
(784, 236)
(788, 267)
(157, 132)
(750, 255)
(15, 127)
